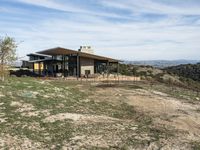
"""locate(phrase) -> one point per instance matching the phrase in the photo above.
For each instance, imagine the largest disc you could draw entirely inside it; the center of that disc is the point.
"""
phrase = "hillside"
(183, 75)
(59, 114)
(191, 71)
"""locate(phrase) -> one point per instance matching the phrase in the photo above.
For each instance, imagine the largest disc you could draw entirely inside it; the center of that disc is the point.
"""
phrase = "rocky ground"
(58, 114)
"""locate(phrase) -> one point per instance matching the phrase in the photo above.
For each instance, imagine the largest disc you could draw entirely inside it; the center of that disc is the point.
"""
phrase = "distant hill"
(191, 71)
(182, 75)
(162, 63)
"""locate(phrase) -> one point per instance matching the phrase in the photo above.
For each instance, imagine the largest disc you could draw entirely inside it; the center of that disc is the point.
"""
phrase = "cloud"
(52, 4)
(68, 6)
(140, 35)
(157, 7)
(123, 41)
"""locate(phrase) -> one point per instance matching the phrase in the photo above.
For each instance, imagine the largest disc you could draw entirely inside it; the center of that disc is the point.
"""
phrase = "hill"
(191, 71)
(40, 113)
(162, 63)
(183, 75)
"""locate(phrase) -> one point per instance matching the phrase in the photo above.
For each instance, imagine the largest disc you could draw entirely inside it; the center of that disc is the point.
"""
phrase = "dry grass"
(58, 114)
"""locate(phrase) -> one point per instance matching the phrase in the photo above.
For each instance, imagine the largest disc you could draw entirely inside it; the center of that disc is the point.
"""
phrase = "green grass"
(195, 145)
(21, 90)
(32, 91)
(59, 96)
(189, 96)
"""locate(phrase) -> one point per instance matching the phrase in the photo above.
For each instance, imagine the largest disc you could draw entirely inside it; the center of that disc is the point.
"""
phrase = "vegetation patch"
(56, 114)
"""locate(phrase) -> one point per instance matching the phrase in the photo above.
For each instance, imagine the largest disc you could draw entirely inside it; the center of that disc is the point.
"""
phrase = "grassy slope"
(54, 97)
(57, 97)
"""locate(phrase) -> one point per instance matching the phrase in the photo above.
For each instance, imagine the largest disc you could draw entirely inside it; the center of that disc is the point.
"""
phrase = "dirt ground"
(45, 114)
(176, 114)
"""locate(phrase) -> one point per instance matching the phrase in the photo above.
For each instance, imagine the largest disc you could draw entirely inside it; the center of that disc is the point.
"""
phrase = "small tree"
(7, 55)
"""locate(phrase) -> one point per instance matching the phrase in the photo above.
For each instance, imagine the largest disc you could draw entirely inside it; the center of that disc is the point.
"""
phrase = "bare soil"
(45, 114)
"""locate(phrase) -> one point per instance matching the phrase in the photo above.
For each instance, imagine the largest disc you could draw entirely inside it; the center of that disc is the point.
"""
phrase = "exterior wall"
(86, 64)
(27, 64)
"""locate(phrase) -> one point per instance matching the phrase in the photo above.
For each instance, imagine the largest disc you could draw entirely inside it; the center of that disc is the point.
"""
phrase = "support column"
(52, 67)
(39, 67)
(117, 68)
(78, 66)
(33, 68)
(44, 68)
(108, 68)
(118, 71)
(64, 66)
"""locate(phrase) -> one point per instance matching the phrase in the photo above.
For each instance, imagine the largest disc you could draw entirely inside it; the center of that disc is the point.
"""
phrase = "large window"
(57, 57)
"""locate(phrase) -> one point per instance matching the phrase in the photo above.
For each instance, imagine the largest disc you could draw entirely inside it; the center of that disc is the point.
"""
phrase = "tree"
(7, 55)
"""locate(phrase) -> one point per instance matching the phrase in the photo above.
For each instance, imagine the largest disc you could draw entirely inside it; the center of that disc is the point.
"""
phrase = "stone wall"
(86, 64)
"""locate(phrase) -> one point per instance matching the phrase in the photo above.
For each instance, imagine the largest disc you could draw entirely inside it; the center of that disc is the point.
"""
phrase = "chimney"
(86, 49)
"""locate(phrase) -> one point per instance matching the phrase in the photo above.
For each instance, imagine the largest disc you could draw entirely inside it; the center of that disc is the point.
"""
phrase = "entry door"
(87, 73)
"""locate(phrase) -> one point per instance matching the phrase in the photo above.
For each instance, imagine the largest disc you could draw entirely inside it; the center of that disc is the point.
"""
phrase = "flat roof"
(39, 60)
(64, 51)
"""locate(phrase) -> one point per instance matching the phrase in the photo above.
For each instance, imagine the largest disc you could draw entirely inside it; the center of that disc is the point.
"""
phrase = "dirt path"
(172, 113)
(121, 116)
(166, 110)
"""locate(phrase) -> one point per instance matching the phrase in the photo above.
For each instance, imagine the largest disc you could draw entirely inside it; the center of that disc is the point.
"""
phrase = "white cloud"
(123, 41)
(52, 4)
(150, 6)
(166, 38)
(67, 6)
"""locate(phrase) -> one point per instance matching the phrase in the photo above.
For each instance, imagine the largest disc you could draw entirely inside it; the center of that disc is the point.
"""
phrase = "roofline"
(79, 52)
(40, 52)
(37, 54)
(39, 60)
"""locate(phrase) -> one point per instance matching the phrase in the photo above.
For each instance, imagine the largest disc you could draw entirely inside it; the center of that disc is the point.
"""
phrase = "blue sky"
(123, 29)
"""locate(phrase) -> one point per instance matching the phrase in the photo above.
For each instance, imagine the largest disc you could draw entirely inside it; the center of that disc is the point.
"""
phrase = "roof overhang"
(64, 51)
(37, 54)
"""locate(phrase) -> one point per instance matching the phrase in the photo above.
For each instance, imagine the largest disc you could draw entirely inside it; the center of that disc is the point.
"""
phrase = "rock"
(153, 146)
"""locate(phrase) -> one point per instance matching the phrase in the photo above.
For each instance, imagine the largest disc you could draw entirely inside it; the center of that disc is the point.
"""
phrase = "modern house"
(66, 62)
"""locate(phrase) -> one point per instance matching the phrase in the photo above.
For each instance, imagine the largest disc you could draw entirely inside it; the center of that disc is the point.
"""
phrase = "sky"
(122, 29)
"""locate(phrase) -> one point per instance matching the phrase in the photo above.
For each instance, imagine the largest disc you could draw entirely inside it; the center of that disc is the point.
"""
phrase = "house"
(66, 62)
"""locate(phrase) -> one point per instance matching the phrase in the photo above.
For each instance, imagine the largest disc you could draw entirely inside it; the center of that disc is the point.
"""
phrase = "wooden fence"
(106, 78)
